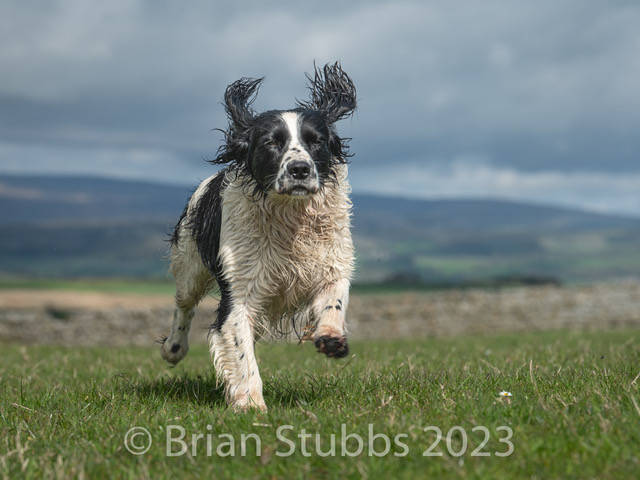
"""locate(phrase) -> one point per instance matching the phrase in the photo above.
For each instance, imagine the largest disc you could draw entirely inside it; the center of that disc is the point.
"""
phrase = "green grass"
(573, 412)
(448, 266)
(109, 285)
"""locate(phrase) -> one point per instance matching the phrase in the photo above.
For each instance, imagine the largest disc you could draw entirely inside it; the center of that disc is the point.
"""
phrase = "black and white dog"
(272, 230)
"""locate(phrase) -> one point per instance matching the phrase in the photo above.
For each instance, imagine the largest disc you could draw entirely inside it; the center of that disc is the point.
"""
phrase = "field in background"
(130, 286)
(572, 411)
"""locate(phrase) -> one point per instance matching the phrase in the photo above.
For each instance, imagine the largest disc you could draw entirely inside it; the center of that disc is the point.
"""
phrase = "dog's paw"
(247, 407)
(332, 347)
(173, 351)
(245, 404)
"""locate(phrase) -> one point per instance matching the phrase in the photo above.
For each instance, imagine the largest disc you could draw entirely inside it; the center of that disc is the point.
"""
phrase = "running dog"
(271, 230)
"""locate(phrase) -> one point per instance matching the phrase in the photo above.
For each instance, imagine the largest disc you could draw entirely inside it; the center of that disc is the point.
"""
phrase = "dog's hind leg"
(329, 308)
(176, 345)
(193, 282)
(233, 350)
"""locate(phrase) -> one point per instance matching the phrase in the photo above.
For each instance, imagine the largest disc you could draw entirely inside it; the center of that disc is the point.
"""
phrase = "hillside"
(474, 215)
(59, 226)
(31, 200)
(26, 200)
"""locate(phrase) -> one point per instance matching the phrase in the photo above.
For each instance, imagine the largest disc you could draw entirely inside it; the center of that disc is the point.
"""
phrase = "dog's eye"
(313, 140)
(273, 144)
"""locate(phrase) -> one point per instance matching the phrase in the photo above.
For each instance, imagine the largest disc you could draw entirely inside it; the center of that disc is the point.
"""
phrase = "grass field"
(396, 409)
(104, 285)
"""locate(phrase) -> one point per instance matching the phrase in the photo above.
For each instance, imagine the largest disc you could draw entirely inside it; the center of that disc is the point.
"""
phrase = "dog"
(271, 230)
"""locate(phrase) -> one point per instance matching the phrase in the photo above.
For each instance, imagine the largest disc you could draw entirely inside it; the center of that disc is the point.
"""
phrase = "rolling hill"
(72, 226)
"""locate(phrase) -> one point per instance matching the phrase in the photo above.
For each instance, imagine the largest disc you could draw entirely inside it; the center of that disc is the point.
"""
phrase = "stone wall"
(437, 314)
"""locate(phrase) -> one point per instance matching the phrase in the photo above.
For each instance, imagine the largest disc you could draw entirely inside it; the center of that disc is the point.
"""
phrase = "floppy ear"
(332, 93)
(238, 99)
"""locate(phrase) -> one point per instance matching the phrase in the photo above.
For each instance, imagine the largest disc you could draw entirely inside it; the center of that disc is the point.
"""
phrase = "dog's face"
(289, 152)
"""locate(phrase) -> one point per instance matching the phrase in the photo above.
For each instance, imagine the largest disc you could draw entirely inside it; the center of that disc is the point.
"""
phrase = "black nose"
(299, 170)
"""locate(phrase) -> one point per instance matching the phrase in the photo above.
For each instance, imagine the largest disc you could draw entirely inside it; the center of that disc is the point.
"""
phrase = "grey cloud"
(531, 86)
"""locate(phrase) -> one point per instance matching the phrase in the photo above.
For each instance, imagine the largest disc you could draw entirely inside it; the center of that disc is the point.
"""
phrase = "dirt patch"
(75, 300)
(87, 318)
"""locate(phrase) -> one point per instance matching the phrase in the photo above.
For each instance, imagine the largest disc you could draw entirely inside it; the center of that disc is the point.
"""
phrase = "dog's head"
(289, 152)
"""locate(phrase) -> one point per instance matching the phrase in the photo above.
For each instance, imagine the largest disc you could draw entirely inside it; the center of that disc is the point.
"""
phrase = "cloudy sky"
(534, 101)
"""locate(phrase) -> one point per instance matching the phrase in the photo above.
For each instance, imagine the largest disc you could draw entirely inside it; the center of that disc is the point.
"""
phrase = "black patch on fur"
(224, 307)
(175, 347)
(205, 223)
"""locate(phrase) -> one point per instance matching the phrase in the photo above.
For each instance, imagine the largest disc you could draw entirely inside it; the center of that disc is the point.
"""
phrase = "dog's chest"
(283, 254)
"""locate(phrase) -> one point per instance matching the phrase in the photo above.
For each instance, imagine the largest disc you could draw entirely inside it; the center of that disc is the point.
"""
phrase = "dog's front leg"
(330, 309)
(232, 346)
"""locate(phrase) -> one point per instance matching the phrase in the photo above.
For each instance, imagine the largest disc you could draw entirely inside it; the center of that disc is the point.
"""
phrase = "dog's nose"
(299, 170)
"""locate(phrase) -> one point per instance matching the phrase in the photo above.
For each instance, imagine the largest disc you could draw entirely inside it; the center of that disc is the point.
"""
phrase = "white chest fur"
(278, 253)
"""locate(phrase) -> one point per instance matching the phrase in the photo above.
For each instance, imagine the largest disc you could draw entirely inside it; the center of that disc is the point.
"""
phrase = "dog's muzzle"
(298, 178)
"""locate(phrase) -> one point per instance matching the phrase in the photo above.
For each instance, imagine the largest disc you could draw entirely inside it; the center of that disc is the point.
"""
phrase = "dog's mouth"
(298, 191)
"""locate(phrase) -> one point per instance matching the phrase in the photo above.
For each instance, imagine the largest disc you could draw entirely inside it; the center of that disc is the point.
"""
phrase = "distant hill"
(30, 200)
(477, 216)
(72, 226)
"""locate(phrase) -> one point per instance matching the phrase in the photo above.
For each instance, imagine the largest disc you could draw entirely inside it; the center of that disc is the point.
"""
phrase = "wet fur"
(271, 230)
